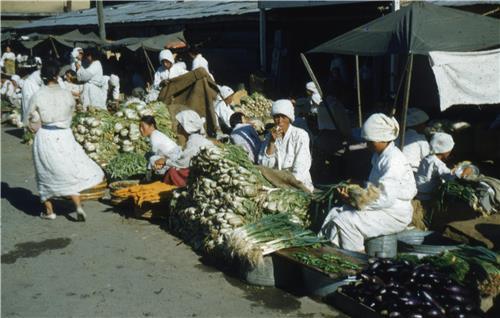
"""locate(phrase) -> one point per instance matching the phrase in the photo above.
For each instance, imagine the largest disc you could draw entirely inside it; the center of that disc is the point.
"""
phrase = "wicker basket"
(114, 186)
(95, 193)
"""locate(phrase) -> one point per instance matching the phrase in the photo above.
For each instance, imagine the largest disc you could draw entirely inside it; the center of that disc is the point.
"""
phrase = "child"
(432, 169)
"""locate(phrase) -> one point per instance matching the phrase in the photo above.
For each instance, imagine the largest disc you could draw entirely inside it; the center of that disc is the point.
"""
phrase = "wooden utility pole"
(100, 19)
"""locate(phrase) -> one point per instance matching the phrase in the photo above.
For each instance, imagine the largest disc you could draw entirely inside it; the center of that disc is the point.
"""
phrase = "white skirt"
(62, 167)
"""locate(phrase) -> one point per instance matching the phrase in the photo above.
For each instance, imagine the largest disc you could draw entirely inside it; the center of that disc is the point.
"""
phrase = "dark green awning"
(418, 28)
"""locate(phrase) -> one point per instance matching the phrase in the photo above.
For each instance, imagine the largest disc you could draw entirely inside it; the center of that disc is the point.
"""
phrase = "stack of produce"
(141, 193)
(271, 233)
(224, 192)
(470, 266)
(256, 106)
(94, 131)
(126, 165)
(329, 263)
(398, 288)
(114, 140)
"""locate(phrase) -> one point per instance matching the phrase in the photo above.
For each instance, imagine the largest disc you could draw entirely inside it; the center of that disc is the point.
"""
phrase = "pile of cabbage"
(105, 136)
(256, 106)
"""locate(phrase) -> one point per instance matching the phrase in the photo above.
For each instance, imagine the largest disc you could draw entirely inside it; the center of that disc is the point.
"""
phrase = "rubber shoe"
(80, 214)
(46, 216)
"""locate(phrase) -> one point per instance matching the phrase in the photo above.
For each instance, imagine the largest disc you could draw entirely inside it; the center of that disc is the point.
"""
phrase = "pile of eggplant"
(397, 288)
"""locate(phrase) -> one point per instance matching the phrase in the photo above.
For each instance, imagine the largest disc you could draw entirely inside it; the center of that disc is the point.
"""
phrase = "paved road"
(112, 266)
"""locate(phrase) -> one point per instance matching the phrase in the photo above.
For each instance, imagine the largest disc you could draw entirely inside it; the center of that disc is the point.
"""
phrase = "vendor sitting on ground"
(391, 173)
(286, 147)
(163, 148)
(433, 170)
(245, 135)
(416, 145)
(191, 127)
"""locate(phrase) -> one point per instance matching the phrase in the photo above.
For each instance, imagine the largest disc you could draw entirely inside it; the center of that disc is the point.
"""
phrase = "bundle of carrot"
(141, 193)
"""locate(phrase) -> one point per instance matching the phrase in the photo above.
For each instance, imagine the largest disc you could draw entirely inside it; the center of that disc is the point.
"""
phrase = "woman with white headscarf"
(391, 173)
(76, 58)
(416, 145)
(223, 109)
(433, 170)
(167, 70)
(191, 126)
(287, 146)
(95, 87)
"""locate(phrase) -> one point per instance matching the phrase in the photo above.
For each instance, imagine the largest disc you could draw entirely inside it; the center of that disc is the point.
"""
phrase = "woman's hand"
(467, 172)
(276, 133)
(160, 163)
(343, 193)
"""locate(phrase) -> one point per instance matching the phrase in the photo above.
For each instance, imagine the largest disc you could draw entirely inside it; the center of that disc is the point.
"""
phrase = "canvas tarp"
(77, 39)
(197, 91)
(467, 78)
(418, 28)
(155, 43)
(71, 39)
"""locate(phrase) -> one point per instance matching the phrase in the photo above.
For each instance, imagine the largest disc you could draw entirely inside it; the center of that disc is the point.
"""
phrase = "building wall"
(15, 12)
(45, 6)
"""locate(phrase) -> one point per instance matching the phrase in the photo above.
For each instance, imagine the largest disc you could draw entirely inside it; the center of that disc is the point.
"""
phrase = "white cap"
(190, 121)
(380, 128)
(283, 107)
(225, 91)
(38, 60)
(441, 143)
(312, 87)
(76, 52)
(167, 55)
(415, 117)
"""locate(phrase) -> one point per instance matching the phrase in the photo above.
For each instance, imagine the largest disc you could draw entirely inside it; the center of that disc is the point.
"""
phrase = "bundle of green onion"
(270, 234)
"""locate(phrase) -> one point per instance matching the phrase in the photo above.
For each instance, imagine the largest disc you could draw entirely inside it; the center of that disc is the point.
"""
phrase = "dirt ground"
(112, 266)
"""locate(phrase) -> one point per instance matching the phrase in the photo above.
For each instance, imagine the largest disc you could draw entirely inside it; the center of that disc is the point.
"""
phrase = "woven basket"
(114, 186)
(94, 193)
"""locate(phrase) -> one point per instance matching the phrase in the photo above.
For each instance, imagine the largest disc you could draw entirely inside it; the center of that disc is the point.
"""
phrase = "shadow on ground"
(24, 200)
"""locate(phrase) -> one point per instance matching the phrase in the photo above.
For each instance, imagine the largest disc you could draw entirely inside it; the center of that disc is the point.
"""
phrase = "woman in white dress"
(61, 165)
(95, 87)
(391, 173)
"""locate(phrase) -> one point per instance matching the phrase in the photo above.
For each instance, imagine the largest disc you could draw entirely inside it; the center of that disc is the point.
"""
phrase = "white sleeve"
(157, 80)
(388, 191)
(302, 162)
(86, 74)
(444, 172)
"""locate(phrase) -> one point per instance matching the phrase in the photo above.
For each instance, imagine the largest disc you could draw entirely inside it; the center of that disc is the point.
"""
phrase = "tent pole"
(401, 81)
(311, 73)
(406, 101)
(54, 47)
(358, 89)
(148, 63)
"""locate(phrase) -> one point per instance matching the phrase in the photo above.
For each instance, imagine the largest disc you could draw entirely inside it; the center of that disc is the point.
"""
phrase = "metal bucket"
(432, 244)
(385, 246)
(260, 275)
(413, 236)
